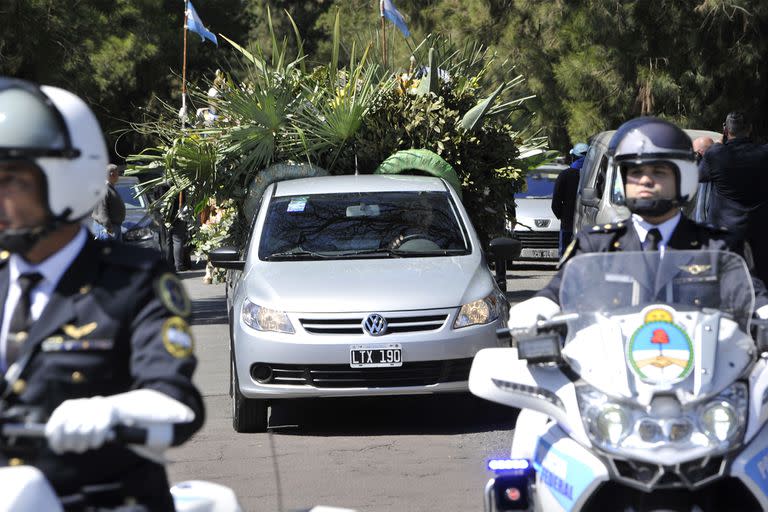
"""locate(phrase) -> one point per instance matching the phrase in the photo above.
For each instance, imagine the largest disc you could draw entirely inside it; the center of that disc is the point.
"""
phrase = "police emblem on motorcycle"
(659, 351)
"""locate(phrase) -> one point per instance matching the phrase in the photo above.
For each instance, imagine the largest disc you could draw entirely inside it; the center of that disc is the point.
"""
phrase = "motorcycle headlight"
(134, 235)
(720, 421)
(265, 319)
(481, 311)
(612, 423)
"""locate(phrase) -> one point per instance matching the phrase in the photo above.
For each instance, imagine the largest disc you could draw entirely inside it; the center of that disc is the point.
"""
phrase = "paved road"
(384, 454)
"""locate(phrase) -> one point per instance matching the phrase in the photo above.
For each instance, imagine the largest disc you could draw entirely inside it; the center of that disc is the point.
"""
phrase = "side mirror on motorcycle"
(540, 349)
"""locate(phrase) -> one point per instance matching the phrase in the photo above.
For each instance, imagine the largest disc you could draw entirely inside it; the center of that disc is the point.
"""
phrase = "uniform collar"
(666, 228)
(53, 267)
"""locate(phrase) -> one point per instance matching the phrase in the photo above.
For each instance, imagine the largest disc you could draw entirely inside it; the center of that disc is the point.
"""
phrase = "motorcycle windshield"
(610, 283)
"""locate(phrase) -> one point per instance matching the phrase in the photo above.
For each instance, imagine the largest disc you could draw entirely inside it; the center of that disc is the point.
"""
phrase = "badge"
(78, 332)
(695, 269)
(177, 337)
(660, 352)
(172, 295)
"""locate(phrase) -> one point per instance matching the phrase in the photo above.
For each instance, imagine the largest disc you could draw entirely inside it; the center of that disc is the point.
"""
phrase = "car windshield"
(540, 183)
(130, 196)
(358, 225)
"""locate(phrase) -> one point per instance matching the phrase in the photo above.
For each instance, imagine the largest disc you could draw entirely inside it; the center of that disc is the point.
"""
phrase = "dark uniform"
(621, 236)
(116, 322)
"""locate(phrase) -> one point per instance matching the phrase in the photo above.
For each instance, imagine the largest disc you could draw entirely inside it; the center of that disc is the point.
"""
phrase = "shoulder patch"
(171, 293)
(177, 337)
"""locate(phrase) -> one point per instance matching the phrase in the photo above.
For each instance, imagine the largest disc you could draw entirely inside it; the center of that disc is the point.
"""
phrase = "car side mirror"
(589, 197)
(226, 257)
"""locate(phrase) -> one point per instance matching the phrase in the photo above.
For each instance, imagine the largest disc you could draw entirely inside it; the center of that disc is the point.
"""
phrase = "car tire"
(249, 415)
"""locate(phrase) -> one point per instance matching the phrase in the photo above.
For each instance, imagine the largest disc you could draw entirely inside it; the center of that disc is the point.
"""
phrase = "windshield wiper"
(434, 252)
(296, 254)
(368, 252)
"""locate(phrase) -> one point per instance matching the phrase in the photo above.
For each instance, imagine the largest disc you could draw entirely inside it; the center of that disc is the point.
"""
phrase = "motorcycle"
(646, 392)
(24, 488)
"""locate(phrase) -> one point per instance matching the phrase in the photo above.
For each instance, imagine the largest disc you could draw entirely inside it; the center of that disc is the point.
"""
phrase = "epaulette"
(128, 255)
(606, 228)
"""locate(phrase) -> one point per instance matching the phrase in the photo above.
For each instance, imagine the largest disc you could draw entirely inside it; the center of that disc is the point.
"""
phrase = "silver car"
(536, 226)
(356, 286)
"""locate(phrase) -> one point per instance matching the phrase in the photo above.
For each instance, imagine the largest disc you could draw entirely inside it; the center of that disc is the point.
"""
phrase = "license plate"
(540, 253)
(376, 356)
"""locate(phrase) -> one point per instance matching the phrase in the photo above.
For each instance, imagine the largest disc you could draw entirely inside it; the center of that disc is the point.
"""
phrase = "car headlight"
(713, 425)
(265, 319)
(481, 311)
(134, 235)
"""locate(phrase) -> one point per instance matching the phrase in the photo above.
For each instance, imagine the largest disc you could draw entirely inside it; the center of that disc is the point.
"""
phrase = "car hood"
(528, 210)
(362, 285)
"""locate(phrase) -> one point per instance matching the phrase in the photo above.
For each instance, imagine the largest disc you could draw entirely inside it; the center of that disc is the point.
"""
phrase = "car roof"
(554, 166)
(361, 183)
(127, 180)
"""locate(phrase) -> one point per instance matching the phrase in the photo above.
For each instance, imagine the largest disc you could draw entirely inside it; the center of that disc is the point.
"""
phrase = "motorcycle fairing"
(499, 376)
(567, 474)
(751, 467)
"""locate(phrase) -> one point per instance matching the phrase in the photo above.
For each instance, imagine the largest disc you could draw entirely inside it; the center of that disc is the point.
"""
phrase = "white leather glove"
(762, 313)
(525, 314)
(80, 425)
(84, 424)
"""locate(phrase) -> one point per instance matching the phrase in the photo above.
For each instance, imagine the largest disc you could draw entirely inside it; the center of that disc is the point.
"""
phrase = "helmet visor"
(30, 125)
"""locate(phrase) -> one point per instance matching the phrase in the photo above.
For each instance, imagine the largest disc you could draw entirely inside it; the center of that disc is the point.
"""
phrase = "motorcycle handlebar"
(120, 434)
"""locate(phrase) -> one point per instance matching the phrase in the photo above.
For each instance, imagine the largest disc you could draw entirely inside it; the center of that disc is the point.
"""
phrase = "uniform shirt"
(666, 229)
(52, 268)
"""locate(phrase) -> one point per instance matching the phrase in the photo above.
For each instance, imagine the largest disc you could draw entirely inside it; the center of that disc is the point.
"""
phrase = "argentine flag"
(194, 24)
(389, 11)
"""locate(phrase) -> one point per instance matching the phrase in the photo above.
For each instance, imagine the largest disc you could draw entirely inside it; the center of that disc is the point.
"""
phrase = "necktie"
(21, 319)
(652, 240)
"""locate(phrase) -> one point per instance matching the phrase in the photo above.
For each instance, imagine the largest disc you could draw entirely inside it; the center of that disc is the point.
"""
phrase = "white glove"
(525, 314)
(80, 425)
(84, 424)
(762, 313)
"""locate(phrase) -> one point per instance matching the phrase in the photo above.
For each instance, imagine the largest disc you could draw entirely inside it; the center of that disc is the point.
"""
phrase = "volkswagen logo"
(375, 325)
(542, 223)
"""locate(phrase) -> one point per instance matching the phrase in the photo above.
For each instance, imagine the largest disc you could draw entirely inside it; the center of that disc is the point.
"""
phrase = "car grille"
(395, 324)
(423, 373)
(538, 239)
(689, 475)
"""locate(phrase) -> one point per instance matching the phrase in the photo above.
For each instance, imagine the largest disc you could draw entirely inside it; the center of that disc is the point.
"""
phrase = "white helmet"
(646, 140)
(58, 132)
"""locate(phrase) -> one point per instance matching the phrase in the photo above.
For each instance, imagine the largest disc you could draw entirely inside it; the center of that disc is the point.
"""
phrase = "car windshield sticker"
(660, 352)
(297, 204)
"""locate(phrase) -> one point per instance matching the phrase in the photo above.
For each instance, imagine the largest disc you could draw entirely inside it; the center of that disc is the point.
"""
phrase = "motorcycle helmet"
(55, 131)
(649, 140)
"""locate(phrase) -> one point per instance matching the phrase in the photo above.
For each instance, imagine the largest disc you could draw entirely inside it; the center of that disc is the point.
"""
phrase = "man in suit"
(93, 334)
(737, 170)
(657, 165)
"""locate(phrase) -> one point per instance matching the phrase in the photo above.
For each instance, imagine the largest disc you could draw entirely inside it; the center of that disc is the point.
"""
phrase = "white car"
(356, 286)
(536, 226)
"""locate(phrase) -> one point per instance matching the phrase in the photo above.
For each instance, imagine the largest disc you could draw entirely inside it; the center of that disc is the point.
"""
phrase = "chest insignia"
(78, 332)
(695, 269)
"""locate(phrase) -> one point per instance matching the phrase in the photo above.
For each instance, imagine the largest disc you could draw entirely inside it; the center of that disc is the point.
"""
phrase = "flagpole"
(383, 33)
(184, 72)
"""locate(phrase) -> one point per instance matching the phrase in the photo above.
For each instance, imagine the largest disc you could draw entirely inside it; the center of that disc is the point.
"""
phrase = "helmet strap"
(651, 207)
(22, 240)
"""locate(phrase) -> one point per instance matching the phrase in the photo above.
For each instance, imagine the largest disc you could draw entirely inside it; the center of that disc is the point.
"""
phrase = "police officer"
(657, 164)
(93, 333)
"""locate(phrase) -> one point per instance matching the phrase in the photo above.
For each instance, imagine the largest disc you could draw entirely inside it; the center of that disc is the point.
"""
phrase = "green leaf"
(474, 118)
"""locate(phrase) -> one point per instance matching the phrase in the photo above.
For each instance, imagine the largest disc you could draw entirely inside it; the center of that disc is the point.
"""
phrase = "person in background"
(109, 213)
(564, 194)
(700, 146)
(738, 171)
